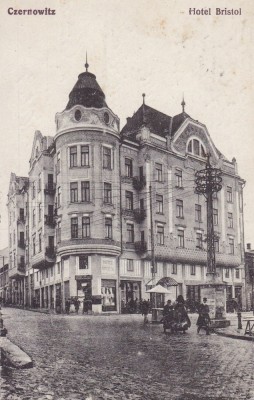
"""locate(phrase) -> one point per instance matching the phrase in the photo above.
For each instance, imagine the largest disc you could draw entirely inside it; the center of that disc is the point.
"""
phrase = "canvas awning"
(158, 289)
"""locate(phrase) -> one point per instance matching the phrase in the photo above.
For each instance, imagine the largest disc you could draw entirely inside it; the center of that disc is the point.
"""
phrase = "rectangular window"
(47, 273)
(74, 192)
(198, 213)
(85, 227)
(33, 190)
(108, 226)
(73, 156)
(229, 194)
(226, 272)
(107, 193)
(51, 242)
(230, 220)
(231, 245)
(193, 269)
(128, 168)
(74, 228)
(58, 232)
(129, 200)
(130, 265)
(85, 156)
(174, 269)
(199, 240)
(179, 178)
(83, 262)
(39, 242)
(215, 216)
(50, 182)
(39, 212)
(179, 208)
(58, 162)
(180, 236)
(107, 162)
(158, 172)
(130, 233)
(237, 274)
(217, 245)
(33, 220)
(160, 234)
(39, 182)
(85, 192)
(159, 204)
(34, 248)
(58, 268)
(59, 196)
(22, 214)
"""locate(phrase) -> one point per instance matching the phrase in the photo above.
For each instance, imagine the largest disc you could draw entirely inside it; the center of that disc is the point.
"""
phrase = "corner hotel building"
(80, 223)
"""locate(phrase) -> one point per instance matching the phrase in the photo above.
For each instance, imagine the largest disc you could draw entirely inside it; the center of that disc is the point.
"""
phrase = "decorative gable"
(193, 138)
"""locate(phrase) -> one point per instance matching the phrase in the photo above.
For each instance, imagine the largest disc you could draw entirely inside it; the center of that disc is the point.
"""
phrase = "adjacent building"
(249, 277)
(99, 204)
(4, 275)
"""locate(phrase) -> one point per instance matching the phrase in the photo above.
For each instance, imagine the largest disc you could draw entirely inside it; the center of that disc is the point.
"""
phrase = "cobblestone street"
(117, 357)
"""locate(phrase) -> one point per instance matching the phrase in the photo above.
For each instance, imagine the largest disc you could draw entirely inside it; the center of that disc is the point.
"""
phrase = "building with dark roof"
(102, 203)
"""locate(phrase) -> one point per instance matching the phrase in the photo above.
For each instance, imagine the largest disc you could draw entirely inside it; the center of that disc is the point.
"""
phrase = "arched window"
(196, 148)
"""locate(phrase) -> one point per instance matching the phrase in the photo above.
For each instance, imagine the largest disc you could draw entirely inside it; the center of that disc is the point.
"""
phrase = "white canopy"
(158, 289)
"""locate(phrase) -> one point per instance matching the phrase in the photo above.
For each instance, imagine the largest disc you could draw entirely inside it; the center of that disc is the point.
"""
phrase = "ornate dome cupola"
(87, 108)
(86, 92)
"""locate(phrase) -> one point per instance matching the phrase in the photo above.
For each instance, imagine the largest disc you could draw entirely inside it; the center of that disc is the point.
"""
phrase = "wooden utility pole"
(152, 235)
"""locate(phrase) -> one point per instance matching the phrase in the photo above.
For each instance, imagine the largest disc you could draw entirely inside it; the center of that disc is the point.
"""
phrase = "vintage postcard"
(126, 200)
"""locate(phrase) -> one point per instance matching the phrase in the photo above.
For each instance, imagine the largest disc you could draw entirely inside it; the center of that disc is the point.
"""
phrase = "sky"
(134, 46)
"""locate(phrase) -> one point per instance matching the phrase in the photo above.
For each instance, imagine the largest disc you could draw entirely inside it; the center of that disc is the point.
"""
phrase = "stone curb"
(13, 355)
(232, 336)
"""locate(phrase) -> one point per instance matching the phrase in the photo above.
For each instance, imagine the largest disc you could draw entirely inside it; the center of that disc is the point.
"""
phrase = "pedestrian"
(67, 306)
(167, 308)
(145, 310)
(76, 305)
(203, 317)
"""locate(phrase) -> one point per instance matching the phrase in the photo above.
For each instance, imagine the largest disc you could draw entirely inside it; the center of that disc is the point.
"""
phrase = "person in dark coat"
(76, 305)
(67, 306)
(145, 310)
(180, 314)
(203, 317)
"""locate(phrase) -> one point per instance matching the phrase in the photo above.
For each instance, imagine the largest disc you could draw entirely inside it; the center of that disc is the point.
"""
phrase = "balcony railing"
(21, 267)
(21, 220)
(21, 244)
(50, 221)
(50, 188)
(50, 252)
(139, 214)
(140, 247)
(139, 182)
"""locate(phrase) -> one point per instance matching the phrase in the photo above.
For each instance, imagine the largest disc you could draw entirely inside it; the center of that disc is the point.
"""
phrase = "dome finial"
(144, 95)
(86, 64)
(183, 104)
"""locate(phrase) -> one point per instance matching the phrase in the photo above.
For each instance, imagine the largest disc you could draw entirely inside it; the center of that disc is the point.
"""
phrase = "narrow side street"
(117, 357)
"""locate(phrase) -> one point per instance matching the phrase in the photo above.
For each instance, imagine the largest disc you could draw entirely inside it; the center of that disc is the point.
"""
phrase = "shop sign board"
(108, 266)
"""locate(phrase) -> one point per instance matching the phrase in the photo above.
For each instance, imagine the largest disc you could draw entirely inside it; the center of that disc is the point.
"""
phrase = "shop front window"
(108, 293)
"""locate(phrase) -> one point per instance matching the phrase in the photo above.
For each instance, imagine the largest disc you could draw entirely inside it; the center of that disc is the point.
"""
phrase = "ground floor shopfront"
(102, 283)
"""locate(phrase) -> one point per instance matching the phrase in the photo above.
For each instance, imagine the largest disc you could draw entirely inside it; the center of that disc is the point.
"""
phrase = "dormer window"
(196, 148)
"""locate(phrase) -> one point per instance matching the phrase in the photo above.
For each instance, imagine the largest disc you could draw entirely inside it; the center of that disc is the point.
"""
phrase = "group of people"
(175, 315)
(87, 305)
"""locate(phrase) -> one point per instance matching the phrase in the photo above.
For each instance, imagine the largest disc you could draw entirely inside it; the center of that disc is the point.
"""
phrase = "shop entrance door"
(130, 296)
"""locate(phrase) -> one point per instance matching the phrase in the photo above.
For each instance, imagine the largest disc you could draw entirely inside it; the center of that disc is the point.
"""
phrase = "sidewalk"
(232, 331)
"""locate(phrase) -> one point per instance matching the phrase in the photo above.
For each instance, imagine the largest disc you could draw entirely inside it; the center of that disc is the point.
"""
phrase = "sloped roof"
(167, 281)
(155, 120)
(177, 121)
